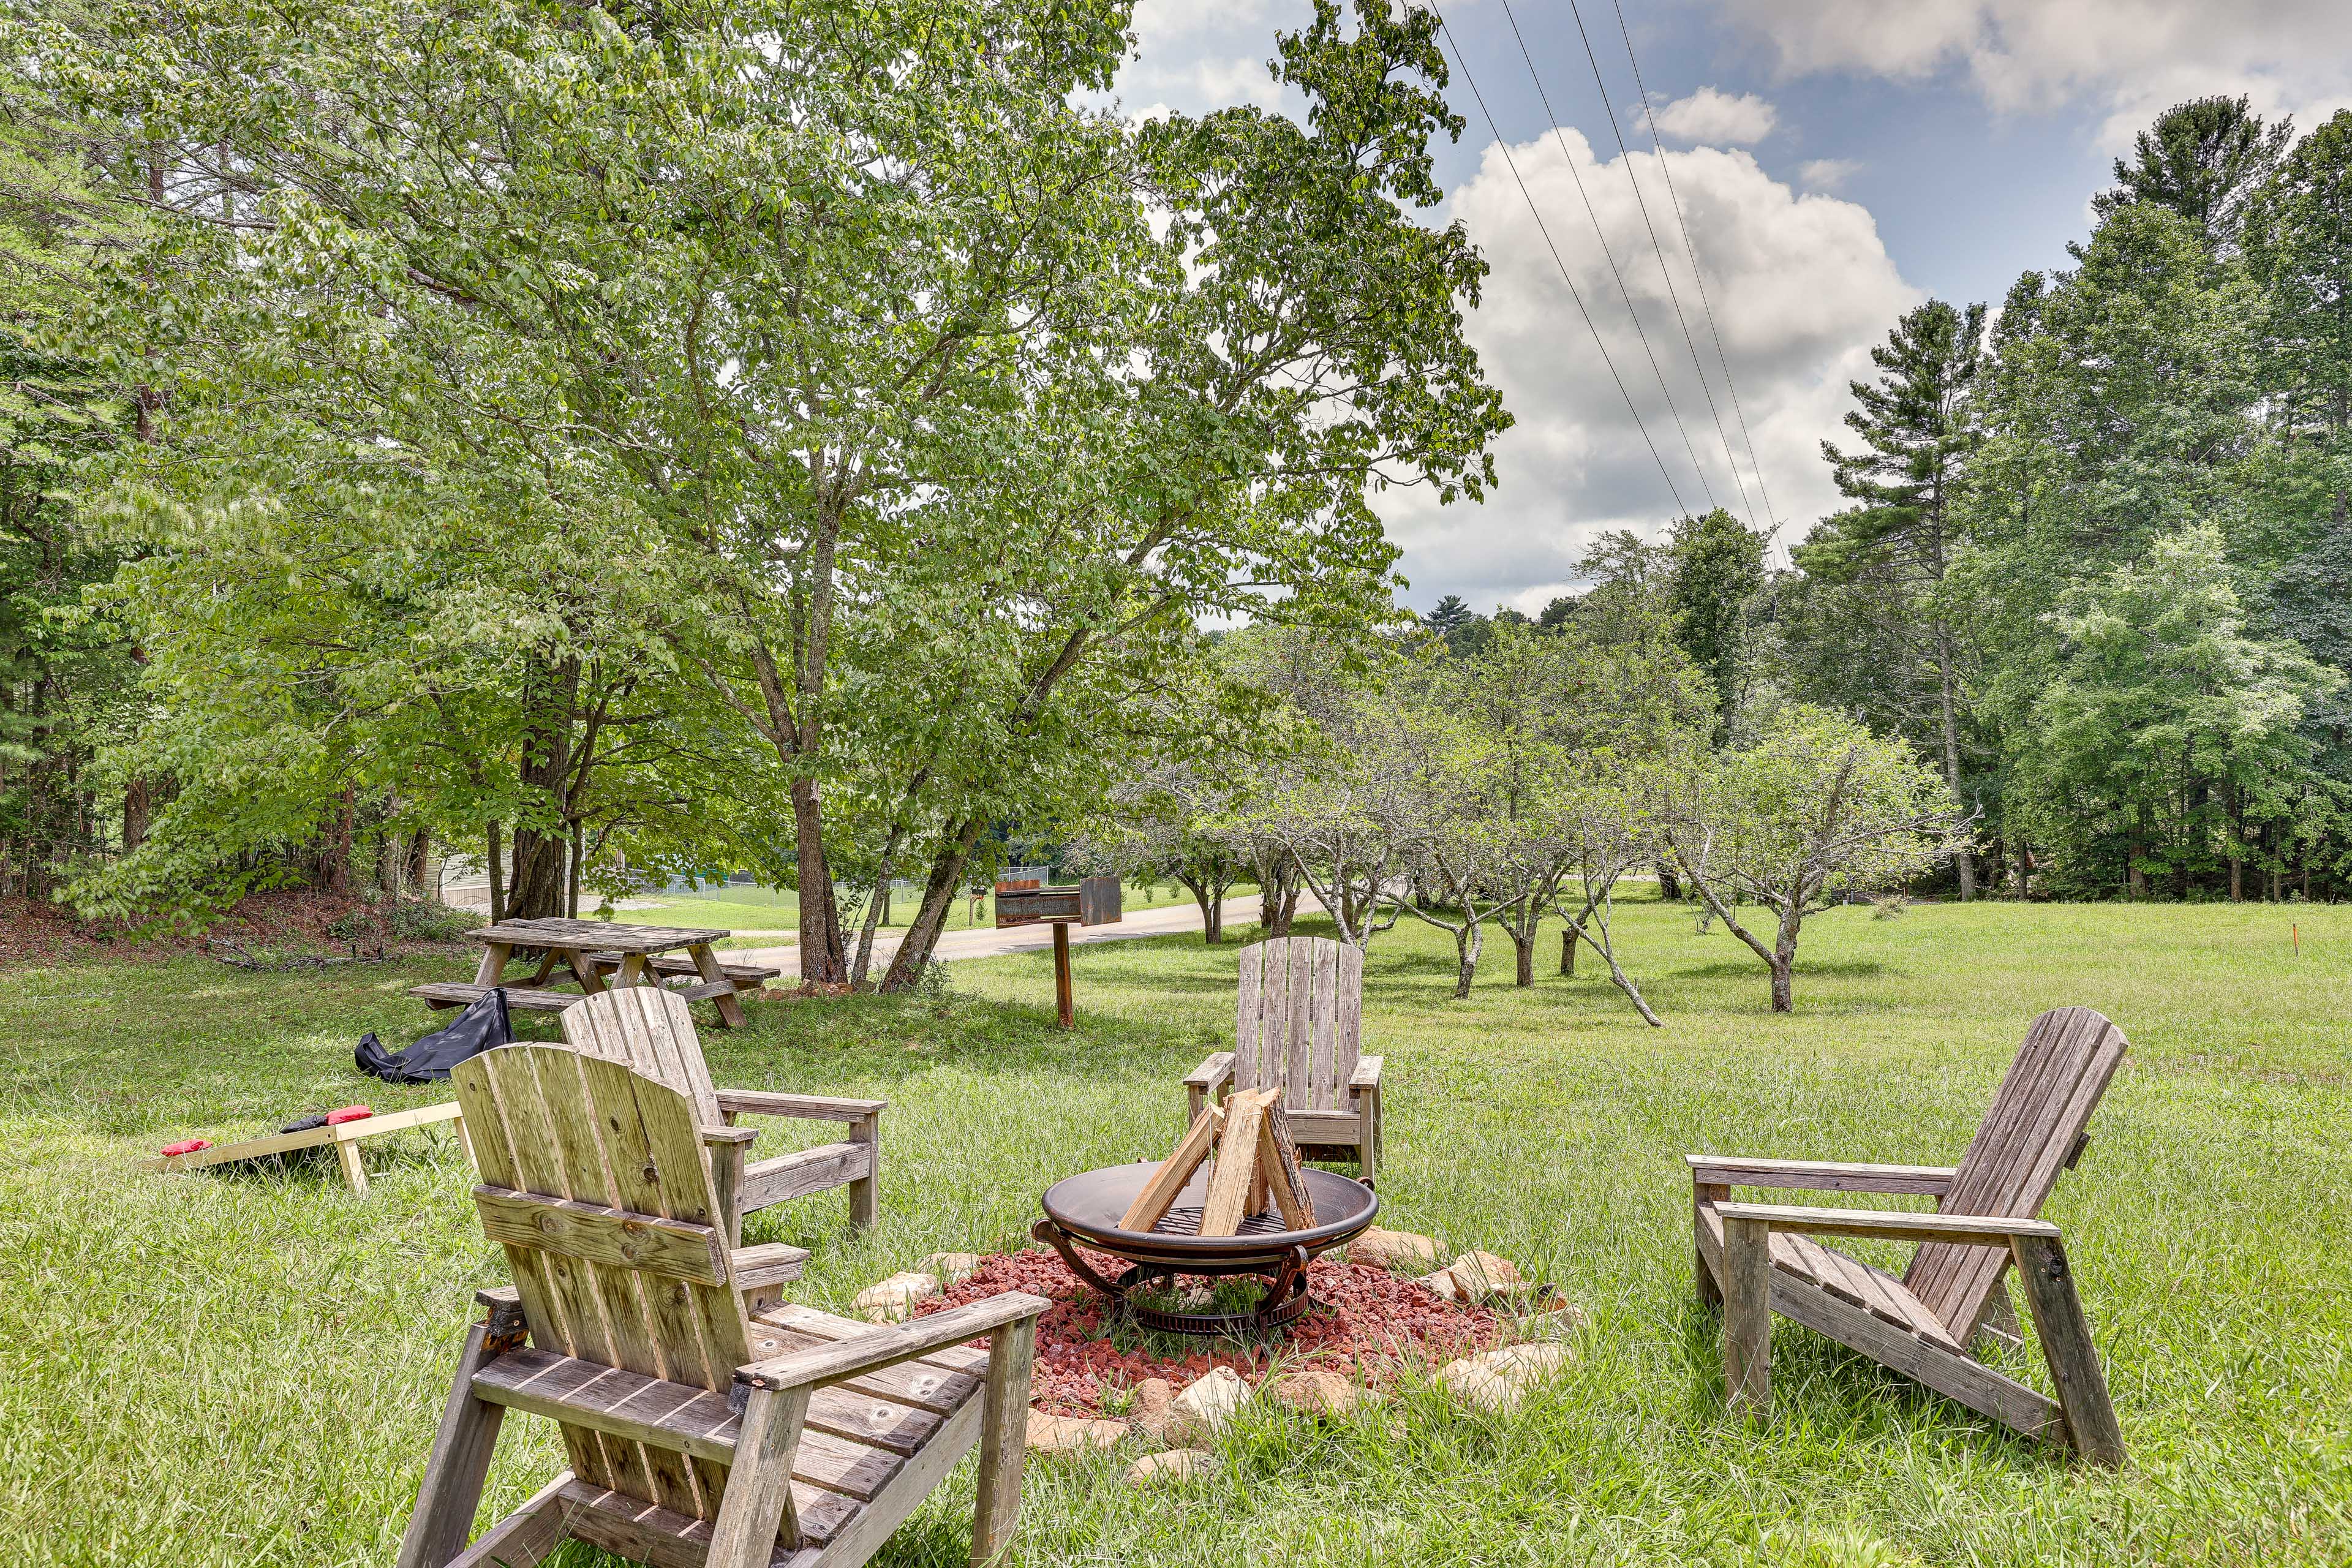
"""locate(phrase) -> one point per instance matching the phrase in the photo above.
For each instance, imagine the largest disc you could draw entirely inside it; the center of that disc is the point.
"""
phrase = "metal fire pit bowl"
(1086, 1210)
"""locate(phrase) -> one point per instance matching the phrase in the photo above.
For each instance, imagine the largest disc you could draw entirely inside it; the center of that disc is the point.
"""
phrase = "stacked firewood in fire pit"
(1255, 1163)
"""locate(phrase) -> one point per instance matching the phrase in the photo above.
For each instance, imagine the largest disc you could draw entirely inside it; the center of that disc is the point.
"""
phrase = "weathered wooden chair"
(1754, 1260)
(651, 1030)
(1296, 1027)
(696, 1435)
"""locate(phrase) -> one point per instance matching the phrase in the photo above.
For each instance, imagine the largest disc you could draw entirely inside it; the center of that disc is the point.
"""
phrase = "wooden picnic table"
(598, 954)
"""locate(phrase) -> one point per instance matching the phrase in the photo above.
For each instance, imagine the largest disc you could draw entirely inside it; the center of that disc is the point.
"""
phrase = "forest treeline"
(806, 439)
(2098, 562)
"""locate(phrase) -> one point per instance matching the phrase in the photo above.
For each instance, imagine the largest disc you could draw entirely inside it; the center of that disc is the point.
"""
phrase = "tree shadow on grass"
(1735, 969)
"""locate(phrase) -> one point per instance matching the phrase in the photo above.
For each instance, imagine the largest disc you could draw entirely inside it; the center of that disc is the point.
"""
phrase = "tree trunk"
(137, 808)
(1567, 953)
(1946, 686)
(1526, 947)
(571, 874)
(338, 844)
(498, 878)
(1670, 888)
(2024, 872)
(1467, 943)
(420, 858)
(822, 963)
(1784, 961)
(535, 887)
(914, 954)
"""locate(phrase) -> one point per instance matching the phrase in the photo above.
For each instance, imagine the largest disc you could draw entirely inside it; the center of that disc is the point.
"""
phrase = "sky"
(1835, 162)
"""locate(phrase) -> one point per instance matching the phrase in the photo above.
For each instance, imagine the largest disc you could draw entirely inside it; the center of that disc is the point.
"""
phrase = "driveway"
(987, 942)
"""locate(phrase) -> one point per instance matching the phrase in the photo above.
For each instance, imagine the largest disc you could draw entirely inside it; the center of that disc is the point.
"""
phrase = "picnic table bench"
(595, 956)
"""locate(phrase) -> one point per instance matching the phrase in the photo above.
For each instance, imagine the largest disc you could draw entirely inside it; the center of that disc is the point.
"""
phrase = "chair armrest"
(768, 1263)
(1819, 1175)
(1367, 1074)
(888, 1345)
(1212, 1071)
(808, 1106)
(1968, 1229)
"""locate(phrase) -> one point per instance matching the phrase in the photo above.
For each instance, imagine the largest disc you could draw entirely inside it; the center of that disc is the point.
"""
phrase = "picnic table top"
(609, 935)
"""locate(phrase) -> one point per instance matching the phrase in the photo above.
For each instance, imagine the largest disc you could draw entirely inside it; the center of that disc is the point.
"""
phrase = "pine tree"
(2204, 159)
(1898, 541)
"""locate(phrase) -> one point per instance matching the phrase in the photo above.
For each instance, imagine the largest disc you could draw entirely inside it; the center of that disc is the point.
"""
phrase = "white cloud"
(2125, 59)
(1717, 118)
(1801, 287)
(1827, 173)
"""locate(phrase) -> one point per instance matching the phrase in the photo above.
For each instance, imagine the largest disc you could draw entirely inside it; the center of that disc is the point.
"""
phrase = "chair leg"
(1748, 1315)
(347, 1154)
(2066, 1345)
(865, 1193)
(1368, 1152)
(1704, 1196)
(1004, 1438)
(525, 1537)
(459, 1463)
(759, 1498)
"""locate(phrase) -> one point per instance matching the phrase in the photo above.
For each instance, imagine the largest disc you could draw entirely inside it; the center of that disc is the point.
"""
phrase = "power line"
(1622, 291)
(1463, 62)
(1697, 276)
(1626, 156)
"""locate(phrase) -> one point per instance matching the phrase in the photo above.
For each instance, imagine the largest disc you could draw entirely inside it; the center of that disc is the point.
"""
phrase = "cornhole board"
(345, 1137)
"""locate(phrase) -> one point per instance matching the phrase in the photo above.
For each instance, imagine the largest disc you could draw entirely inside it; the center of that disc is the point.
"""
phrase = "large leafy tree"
(1711, 589)
(2170, 731)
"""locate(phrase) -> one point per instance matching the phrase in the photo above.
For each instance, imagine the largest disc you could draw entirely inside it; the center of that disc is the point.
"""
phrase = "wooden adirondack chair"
(1754, 1260)
(696, 1435)
(651, 1030)
(1296, 1027)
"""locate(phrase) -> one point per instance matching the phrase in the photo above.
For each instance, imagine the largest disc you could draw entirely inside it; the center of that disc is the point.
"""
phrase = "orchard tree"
(1817, 808)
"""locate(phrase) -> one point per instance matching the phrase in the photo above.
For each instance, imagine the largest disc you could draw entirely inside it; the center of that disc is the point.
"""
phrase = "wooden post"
(459, 1463)
(2067, 1344)
(1063, 1006)
(1748, 1315)
(705, 964)
(759, 1500)
(1704, 1196)
(1004, 1438)
(865, 1193)
(347, 1154)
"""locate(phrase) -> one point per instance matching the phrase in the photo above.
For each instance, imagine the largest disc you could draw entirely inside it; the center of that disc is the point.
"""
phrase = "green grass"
(214, 1370)
(770, 917)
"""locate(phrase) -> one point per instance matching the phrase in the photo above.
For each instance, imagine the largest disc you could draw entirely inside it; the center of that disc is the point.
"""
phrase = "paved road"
(987, 942)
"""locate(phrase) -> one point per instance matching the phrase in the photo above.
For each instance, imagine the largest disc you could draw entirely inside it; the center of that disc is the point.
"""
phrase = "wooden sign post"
(1024, 899)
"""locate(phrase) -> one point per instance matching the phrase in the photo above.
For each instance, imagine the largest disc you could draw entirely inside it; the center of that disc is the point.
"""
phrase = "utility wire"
(1594, 217)
(1461, 62)
(1705, 305)
(1625, 155)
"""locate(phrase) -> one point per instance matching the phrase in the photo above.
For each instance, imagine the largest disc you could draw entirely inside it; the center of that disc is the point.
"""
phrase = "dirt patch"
(34, 931)
(1365, 1322)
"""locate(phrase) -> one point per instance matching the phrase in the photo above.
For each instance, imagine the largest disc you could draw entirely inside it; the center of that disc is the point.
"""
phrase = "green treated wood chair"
(695, 1433)
(1757, 1260)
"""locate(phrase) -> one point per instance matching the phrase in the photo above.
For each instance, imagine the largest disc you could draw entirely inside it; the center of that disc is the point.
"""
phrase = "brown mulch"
(1365, 1321)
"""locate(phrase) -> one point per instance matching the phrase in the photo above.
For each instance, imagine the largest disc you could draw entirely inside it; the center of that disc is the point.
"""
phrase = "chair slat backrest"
(649, 1029)
(1296, 1023)
(566, 1125)
(2043, 1104)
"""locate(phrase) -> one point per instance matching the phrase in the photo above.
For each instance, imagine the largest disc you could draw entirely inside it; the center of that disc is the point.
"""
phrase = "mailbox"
(1093, 902)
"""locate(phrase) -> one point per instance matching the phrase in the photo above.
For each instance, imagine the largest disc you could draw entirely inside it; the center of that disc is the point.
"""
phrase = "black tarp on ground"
(479, 1027)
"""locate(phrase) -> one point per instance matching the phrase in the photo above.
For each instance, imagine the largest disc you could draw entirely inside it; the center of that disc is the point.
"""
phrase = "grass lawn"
(766, 916)
(215, 1370)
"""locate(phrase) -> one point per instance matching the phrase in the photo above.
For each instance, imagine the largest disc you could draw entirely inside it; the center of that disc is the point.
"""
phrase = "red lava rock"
(1365, 1321)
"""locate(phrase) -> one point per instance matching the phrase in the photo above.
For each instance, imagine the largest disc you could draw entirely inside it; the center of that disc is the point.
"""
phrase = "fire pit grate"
(1186, 1221)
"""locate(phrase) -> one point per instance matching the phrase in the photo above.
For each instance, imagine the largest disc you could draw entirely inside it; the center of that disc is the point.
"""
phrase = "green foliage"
(2206, 159)
(1711, 590)
(2169, 733)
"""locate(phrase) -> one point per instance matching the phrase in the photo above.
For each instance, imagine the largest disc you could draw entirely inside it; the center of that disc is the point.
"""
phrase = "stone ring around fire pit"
(1085, 1209)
